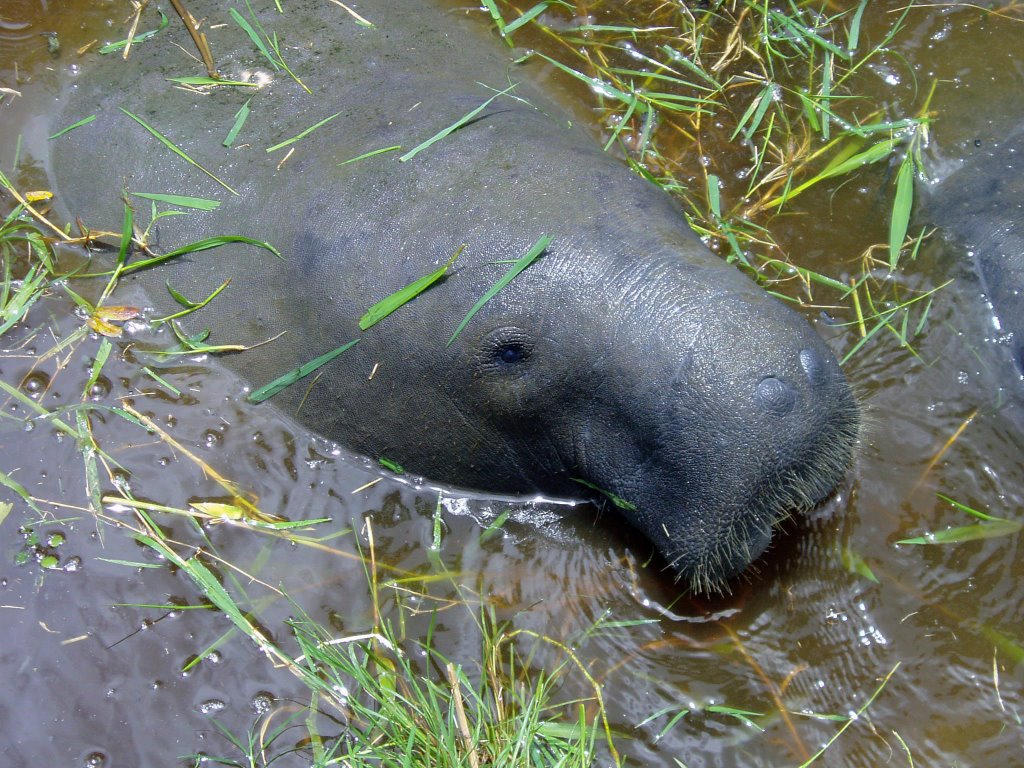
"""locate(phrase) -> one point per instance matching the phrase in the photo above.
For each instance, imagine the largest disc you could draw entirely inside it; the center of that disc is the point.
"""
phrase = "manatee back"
(353, 233)
(350, 233)
(981, 207)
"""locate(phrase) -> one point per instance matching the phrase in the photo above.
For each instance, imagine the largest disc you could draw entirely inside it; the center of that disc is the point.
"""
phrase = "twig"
(139, 7)
(199, 38)
(460, 717)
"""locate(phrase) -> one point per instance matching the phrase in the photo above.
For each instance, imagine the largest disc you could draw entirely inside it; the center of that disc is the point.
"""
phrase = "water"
(93, 680)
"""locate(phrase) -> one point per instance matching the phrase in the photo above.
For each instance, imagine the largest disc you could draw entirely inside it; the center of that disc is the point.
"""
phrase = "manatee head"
(627, 362)
(707, 415)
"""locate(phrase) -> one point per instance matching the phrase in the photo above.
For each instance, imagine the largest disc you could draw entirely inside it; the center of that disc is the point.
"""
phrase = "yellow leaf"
(117, 314)
(101, 326)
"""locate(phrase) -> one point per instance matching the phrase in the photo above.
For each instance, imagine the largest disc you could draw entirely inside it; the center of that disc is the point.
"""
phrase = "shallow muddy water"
(92, 679)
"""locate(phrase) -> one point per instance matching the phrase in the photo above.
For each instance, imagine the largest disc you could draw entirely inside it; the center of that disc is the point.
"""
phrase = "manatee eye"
(505, 350)
(510, 353)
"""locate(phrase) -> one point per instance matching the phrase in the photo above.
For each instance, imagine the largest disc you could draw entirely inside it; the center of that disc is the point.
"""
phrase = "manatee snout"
(757, 424)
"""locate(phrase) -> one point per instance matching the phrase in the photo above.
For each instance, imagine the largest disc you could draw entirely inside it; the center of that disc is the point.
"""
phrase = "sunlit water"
(91, 680)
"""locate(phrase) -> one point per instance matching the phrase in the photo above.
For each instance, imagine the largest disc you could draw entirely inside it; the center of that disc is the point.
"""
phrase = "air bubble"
(262, 702)
(100, 390)
(35, 384)
(212, 707)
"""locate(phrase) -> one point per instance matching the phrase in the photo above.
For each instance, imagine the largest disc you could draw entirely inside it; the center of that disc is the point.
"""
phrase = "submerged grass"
(389, 700)
(439, 711)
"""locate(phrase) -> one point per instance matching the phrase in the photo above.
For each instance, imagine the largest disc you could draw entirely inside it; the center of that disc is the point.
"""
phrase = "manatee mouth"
(713, 544)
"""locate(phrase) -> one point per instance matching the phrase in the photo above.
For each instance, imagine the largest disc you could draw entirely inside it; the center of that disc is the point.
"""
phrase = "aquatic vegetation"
(783, 84)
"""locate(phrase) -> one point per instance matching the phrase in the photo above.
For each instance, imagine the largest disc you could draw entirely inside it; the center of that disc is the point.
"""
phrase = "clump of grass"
(777, 85)
(22, 240)
(377, 697)
(401, 714)
(404, 703)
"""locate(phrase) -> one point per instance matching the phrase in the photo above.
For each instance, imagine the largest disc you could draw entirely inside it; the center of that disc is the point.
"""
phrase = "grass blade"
(302, 135)
(901, 208)
(240, 117)
(175, 149)
(389, 304)
(853, 37)
(371, 153)
(256, 39)
(854, 718)
(969, 510)
(271, 389)
(182, 201)
(94, 374)
(453, 127)
(199, 245)
(161, 381)
(190, 306)
(990, 527)
(141, 38)
(526, 18)
(975, 532)
(748, 124)
(618, 501)
(714, 196)
(212, 81)
(526, 260)
(9, 482)
(79, 124)
(872, 154)
(496, 17)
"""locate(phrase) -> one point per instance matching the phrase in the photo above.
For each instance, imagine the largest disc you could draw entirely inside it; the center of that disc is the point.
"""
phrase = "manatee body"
(981, 207)
(627, 358)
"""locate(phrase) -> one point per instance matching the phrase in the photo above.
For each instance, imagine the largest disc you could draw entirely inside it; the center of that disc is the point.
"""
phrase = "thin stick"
(460, 717)
(198, 38)
(134, 28)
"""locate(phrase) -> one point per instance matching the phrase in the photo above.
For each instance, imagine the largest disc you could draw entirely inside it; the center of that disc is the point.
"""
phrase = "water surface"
(92, 680)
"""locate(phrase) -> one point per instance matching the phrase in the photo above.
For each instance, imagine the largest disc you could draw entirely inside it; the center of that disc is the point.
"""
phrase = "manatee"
(626, 362)
(980, 207)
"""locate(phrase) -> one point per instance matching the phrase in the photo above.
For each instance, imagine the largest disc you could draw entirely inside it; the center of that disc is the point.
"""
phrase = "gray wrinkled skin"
(981, 207)
(628, 356)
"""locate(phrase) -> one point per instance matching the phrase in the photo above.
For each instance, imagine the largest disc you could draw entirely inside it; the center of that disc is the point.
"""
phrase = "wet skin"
(627, 357)
(980, 207)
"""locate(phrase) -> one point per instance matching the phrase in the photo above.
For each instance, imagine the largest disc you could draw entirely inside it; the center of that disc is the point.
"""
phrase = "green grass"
(780, 84)
(404, 703)
(987, 527)
(178, 150)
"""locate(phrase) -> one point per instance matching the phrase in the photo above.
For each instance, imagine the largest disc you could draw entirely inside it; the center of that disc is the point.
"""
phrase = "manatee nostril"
(814, 366)
(775, 396)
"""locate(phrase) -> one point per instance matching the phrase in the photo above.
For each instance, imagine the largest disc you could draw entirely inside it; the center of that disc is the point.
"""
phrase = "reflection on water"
(97, 679)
